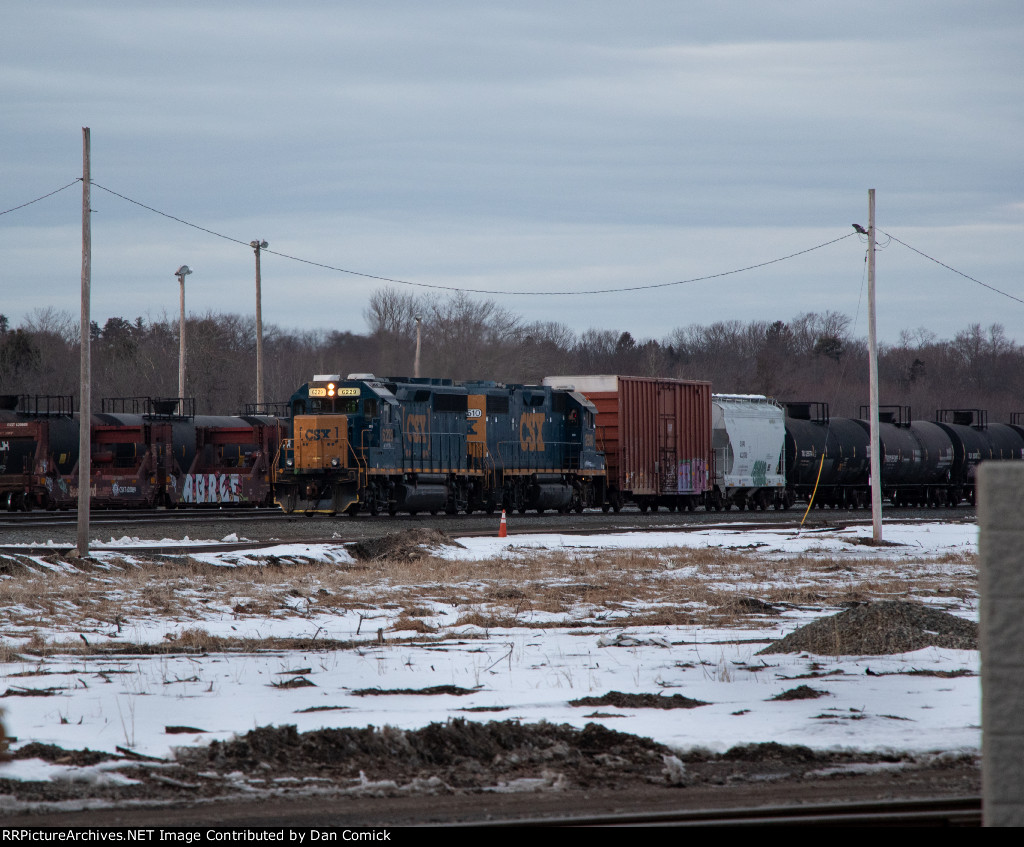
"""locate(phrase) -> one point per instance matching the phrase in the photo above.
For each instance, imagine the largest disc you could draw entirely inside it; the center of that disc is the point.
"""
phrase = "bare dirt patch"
(880, 628)
(801, 692)
(410, 545)
(430, 691)
(639, 701)
(465, 758)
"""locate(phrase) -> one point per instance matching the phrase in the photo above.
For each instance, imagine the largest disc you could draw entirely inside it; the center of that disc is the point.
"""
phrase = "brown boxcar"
(655, 434)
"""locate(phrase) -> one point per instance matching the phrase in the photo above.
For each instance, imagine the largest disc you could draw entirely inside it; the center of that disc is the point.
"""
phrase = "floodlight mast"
(181, 273)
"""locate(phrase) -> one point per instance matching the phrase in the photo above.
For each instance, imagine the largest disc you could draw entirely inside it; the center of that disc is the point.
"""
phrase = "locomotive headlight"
(330, 389)
(289, 463)
(335, 462)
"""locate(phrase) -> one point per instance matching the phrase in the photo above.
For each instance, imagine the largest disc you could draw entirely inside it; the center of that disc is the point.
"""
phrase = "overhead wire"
(520, 293)
(30, 202)
(954, 270)
(490, 291)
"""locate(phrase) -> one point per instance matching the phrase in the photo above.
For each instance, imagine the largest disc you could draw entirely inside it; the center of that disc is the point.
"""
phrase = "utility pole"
(85, 375)
(876, 459)
(256, 247)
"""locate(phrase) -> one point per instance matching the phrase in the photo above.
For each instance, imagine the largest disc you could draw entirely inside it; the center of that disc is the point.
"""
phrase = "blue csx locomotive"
(428, 445)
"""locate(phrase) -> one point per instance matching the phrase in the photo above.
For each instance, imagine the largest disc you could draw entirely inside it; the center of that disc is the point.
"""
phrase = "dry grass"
(526, 587)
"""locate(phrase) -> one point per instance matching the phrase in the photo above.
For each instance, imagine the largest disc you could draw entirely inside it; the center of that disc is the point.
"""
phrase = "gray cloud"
(534, 147)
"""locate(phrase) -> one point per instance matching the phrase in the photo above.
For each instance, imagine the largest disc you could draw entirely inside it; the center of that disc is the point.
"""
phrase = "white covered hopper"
(748, 437)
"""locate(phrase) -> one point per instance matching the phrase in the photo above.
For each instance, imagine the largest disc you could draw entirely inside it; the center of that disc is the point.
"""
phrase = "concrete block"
(1000, 487)
(1002, 623)
(1002, 775)
(1002, 701)
(1002, 562)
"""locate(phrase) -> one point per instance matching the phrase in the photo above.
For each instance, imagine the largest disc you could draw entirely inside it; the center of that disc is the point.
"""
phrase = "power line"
(954, 270)
(30, 202)
(439, 287)
(172, 217)
(478, 290)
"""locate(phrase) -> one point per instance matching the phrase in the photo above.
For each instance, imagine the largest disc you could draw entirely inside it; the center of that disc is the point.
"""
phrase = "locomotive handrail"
(287, 444)
(427, 455)
(541, 457)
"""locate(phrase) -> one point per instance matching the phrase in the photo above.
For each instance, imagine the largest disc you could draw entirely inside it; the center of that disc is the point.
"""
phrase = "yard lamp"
(181, 273)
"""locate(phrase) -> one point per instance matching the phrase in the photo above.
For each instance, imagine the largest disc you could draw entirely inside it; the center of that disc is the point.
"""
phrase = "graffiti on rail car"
(212, 488)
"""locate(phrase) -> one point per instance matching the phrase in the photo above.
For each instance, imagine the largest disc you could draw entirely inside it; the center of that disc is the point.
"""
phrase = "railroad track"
(946, 811)
(101, 517)
(254, 531)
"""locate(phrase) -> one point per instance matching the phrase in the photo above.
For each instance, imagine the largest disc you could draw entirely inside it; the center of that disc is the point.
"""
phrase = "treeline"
(813, 356)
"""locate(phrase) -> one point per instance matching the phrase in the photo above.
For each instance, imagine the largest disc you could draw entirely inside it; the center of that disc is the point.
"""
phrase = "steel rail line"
(942, 811)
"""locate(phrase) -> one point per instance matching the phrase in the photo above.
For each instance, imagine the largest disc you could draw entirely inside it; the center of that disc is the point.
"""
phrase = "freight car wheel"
(605, 507)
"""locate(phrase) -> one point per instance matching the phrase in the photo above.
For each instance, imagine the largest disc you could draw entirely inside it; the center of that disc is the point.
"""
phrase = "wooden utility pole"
(876, 459)
(257, 246)
(85, 376)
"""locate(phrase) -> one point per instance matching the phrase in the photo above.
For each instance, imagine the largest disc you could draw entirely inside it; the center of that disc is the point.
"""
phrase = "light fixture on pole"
(181, 273)
(256, 247)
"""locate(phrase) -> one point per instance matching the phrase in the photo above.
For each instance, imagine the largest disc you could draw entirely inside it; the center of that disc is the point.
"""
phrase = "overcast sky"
(528, 146)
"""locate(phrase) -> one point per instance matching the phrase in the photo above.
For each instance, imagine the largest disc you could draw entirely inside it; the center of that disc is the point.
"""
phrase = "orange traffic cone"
(503, 526)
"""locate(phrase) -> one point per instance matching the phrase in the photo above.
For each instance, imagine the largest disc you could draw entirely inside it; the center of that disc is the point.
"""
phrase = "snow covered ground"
(528, 670)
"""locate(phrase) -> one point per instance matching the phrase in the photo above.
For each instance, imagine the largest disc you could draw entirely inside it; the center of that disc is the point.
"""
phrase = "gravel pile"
(878, 629)
(409, 545)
